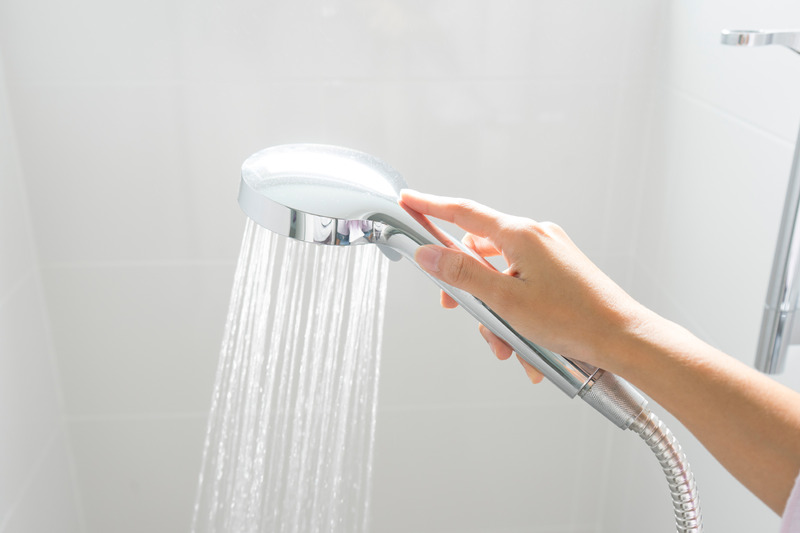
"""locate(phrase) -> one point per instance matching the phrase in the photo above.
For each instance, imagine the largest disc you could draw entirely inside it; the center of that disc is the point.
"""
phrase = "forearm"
(749, 422)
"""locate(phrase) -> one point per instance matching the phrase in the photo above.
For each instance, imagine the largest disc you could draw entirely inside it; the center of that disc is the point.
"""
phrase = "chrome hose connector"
(614, 397)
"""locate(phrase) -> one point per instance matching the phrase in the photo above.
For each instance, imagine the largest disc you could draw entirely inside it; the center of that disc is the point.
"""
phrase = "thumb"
(462, 271)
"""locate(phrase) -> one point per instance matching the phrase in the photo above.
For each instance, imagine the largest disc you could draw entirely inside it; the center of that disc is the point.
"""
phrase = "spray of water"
(292, 422)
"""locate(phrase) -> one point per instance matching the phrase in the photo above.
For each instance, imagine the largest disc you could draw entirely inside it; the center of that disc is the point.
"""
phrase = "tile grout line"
(189, 415)
(314, 81)
(729, 115)
(65, 265)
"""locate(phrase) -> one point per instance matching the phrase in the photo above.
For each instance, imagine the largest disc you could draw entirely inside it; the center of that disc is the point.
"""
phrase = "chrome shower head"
(320, 194)
(333, 195)
(337, 196)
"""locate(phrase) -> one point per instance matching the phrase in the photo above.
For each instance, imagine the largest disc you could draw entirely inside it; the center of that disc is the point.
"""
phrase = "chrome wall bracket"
(787, 38)
(784, 284)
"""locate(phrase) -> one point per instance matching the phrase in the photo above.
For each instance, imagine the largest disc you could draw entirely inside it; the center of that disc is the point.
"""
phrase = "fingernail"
(409, 193)
(428, 257)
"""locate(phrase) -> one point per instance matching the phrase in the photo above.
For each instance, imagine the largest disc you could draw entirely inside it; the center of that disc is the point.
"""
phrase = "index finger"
(468, 215)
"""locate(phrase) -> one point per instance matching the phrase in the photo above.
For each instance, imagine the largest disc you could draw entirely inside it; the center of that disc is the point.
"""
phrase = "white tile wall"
(35, 463)
(136, 340)
(138, 474)
(48, 501)
(483, 468)
(16, 239)
(445, 39)
(117, 190)
(90, 41)
(27, 384)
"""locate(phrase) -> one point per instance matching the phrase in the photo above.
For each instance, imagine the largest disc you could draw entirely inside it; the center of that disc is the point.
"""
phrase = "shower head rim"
(354, 224)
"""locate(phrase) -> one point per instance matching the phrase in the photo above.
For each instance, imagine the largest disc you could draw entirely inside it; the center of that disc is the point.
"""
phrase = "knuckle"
(464, 204)
(516, 229)
(552, 228)
(510, 225)
(546, 230)
(466, 207)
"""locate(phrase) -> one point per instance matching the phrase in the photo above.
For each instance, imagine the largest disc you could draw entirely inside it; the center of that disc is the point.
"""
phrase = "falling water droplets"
(291, 429)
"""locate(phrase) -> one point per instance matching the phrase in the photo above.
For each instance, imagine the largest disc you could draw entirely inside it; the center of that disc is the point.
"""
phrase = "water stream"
(292, 423)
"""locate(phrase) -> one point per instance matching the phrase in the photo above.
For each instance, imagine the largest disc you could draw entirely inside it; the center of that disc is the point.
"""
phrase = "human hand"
(550, 293)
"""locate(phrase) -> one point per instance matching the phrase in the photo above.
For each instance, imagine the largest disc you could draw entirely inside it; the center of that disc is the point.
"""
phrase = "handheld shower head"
(337, 196)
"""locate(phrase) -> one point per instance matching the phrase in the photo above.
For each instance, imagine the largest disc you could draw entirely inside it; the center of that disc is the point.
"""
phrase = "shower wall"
(610, 118)
(37, 488)
(716, 175)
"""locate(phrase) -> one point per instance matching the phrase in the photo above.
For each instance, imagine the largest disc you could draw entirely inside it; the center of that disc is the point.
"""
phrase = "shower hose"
(673, 462)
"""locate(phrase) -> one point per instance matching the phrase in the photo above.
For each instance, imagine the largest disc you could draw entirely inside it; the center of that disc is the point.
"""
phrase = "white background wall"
(37, 491)
(663, 154)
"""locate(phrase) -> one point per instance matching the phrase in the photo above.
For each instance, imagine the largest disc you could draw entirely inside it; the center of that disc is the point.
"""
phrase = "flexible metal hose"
(673, 461)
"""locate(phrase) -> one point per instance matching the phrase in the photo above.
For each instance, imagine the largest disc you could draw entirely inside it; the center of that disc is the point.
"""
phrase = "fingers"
(486, 234)
(534, 375)
(481, 246)
(468, 215)
(503, 351)
(500, 349)
(447, 301)
(465, 272)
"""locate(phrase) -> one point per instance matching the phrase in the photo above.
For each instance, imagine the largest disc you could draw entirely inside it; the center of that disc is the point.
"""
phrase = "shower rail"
(780, 308)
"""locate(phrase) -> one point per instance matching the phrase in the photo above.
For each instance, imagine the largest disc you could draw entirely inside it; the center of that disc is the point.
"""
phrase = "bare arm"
(554, 295)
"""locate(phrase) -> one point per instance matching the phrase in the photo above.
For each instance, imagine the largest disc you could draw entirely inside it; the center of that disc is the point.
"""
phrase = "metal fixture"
(781, 304)
(787, 38)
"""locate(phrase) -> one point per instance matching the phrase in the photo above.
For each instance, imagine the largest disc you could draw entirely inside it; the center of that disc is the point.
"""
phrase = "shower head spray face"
(337, 196)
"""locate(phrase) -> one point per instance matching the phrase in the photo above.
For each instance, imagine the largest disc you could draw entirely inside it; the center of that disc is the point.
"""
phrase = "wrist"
(632, 347)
